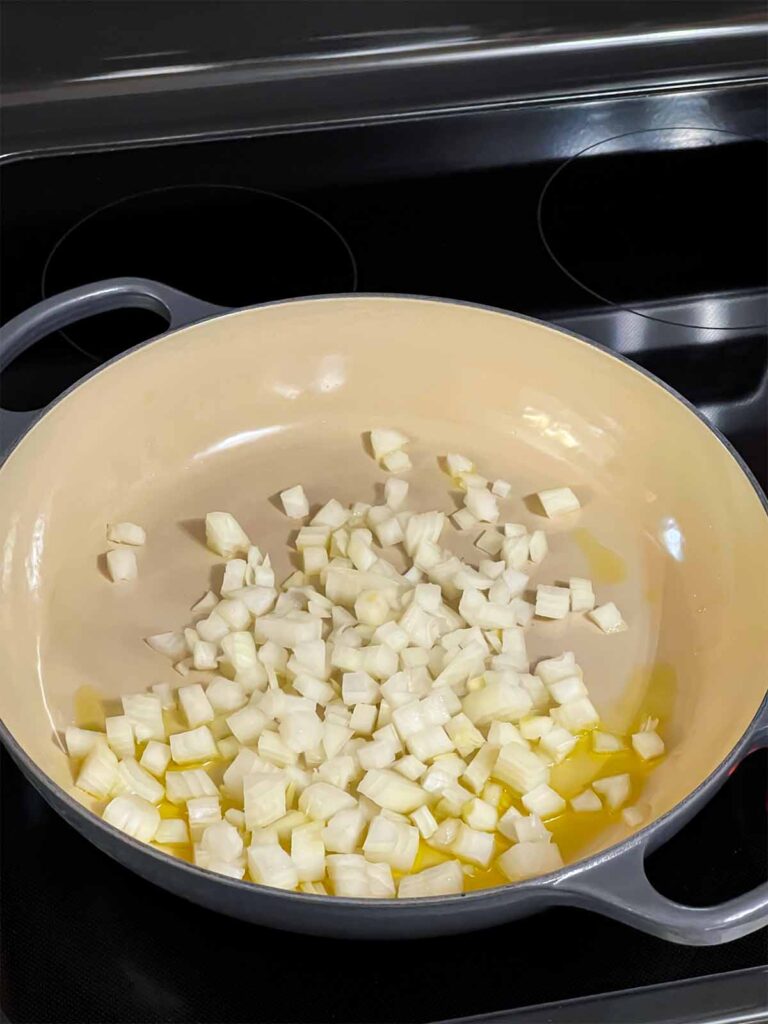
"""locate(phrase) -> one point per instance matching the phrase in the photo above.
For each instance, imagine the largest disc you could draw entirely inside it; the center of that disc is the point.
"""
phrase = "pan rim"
(648, 837)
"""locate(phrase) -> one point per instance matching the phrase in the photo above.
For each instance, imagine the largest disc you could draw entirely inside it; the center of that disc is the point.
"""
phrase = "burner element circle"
(231, 245)
(646, 234)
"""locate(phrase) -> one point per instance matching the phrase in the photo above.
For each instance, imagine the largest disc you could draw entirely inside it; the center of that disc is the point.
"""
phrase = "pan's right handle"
(19, 334)
(618, 886)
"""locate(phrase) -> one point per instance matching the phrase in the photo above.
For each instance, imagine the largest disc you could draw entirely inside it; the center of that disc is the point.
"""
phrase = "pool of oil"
(605, 566)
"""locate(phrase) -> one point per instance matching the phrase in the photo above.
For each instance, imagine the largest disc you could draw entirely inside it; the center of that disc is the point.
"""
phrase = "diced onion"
(558, 501)
(608, 618)
(224, 535)
(172, 832)
(295, 502)
(134, 816)
(120, 735)
(82, 741)
(615, 789)
(98, 772)
(156, 757)
(194, 745)
(586, 802)
(360, 711)
(122, 565)
(648, 745)
(126, 533)
(526, 860)
(445, 879)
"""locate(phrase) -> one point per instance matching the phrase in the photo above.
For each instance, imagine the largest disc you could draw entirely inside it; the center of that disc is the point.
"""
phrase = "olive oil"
(605, 566)
(89, 709)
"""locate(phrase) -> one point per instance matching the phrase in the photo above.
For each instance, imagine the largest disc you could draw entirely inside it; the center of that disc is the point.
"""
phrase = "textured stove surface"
(444, 208)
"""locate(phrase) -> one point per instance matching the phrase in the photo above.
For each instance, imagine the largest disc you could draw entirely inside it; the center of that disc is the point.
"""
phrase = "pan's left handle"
(177, 308)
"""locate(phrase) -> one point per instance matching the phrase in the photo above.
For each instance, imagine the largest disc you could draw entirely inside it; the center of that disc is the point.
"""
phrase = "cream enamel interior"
(226, 414)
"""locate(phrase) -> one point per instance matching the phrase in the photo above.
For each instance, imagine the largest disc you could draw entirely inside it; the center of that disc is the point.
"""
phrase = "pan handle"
(618, 886)
(19, 334)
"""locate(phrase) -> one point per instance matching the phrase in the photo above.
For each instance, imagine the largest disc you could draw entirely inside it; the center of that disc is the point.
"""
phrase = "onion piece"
(271, 865)
(552, 602)
(172, 832)
(648, 744)
(608, 618)
(586, 802)
(558, 501)
(98, 772)
(391, 842)
(134, 816)
(122, 565)
(82, 741)
(194, 745)
(397, 462)
(156, 758)
(126, 533)
(615, 789)
(181, 786)
(388, 789)
(520, 768)
(120, 735)
(527, 860)
(224, 535)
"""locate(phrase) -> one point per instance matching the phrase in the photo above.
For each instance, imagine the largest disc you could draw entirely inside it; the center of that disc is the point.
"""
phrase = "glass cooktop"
(650, 241)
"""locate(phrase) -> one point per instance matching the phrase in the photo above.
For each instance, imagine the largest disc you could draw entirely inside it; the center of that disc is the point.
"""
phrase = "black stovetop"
(653, 243)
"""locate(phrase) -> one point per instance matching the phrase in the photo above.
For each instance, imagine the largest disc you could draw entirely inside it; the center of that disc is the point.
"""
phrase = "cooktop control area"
(650, 241)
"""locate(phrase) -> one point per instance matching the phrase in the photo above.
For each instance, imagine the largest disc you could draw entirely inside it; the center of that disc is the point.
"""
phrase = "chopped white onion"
(577, 715)
(134, 816)
(482, 504)
(634, 816)
(98, 772)
(132, 778)
(172, 832)
(480, 815)
(586, 802)
(120, 735)
(648, 744)
(538, 547)
(397, 462)
(520, 768)
(271, 865)
(122, 565)
(543, 801)
(321, 801)
(558, 501)
(390, 790)
(527, 860)
(386, 440)
(295, 502)
(582, 594)
(194, 745)
(353, 876)
(126, 533)
(608, 618)
(552, 602)
(82, 741)
(181, 786)
(606, 743)
(473, 846)
(615, 789)
(557, 743)
(480, 767)
(391, 842)
(224, 535)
